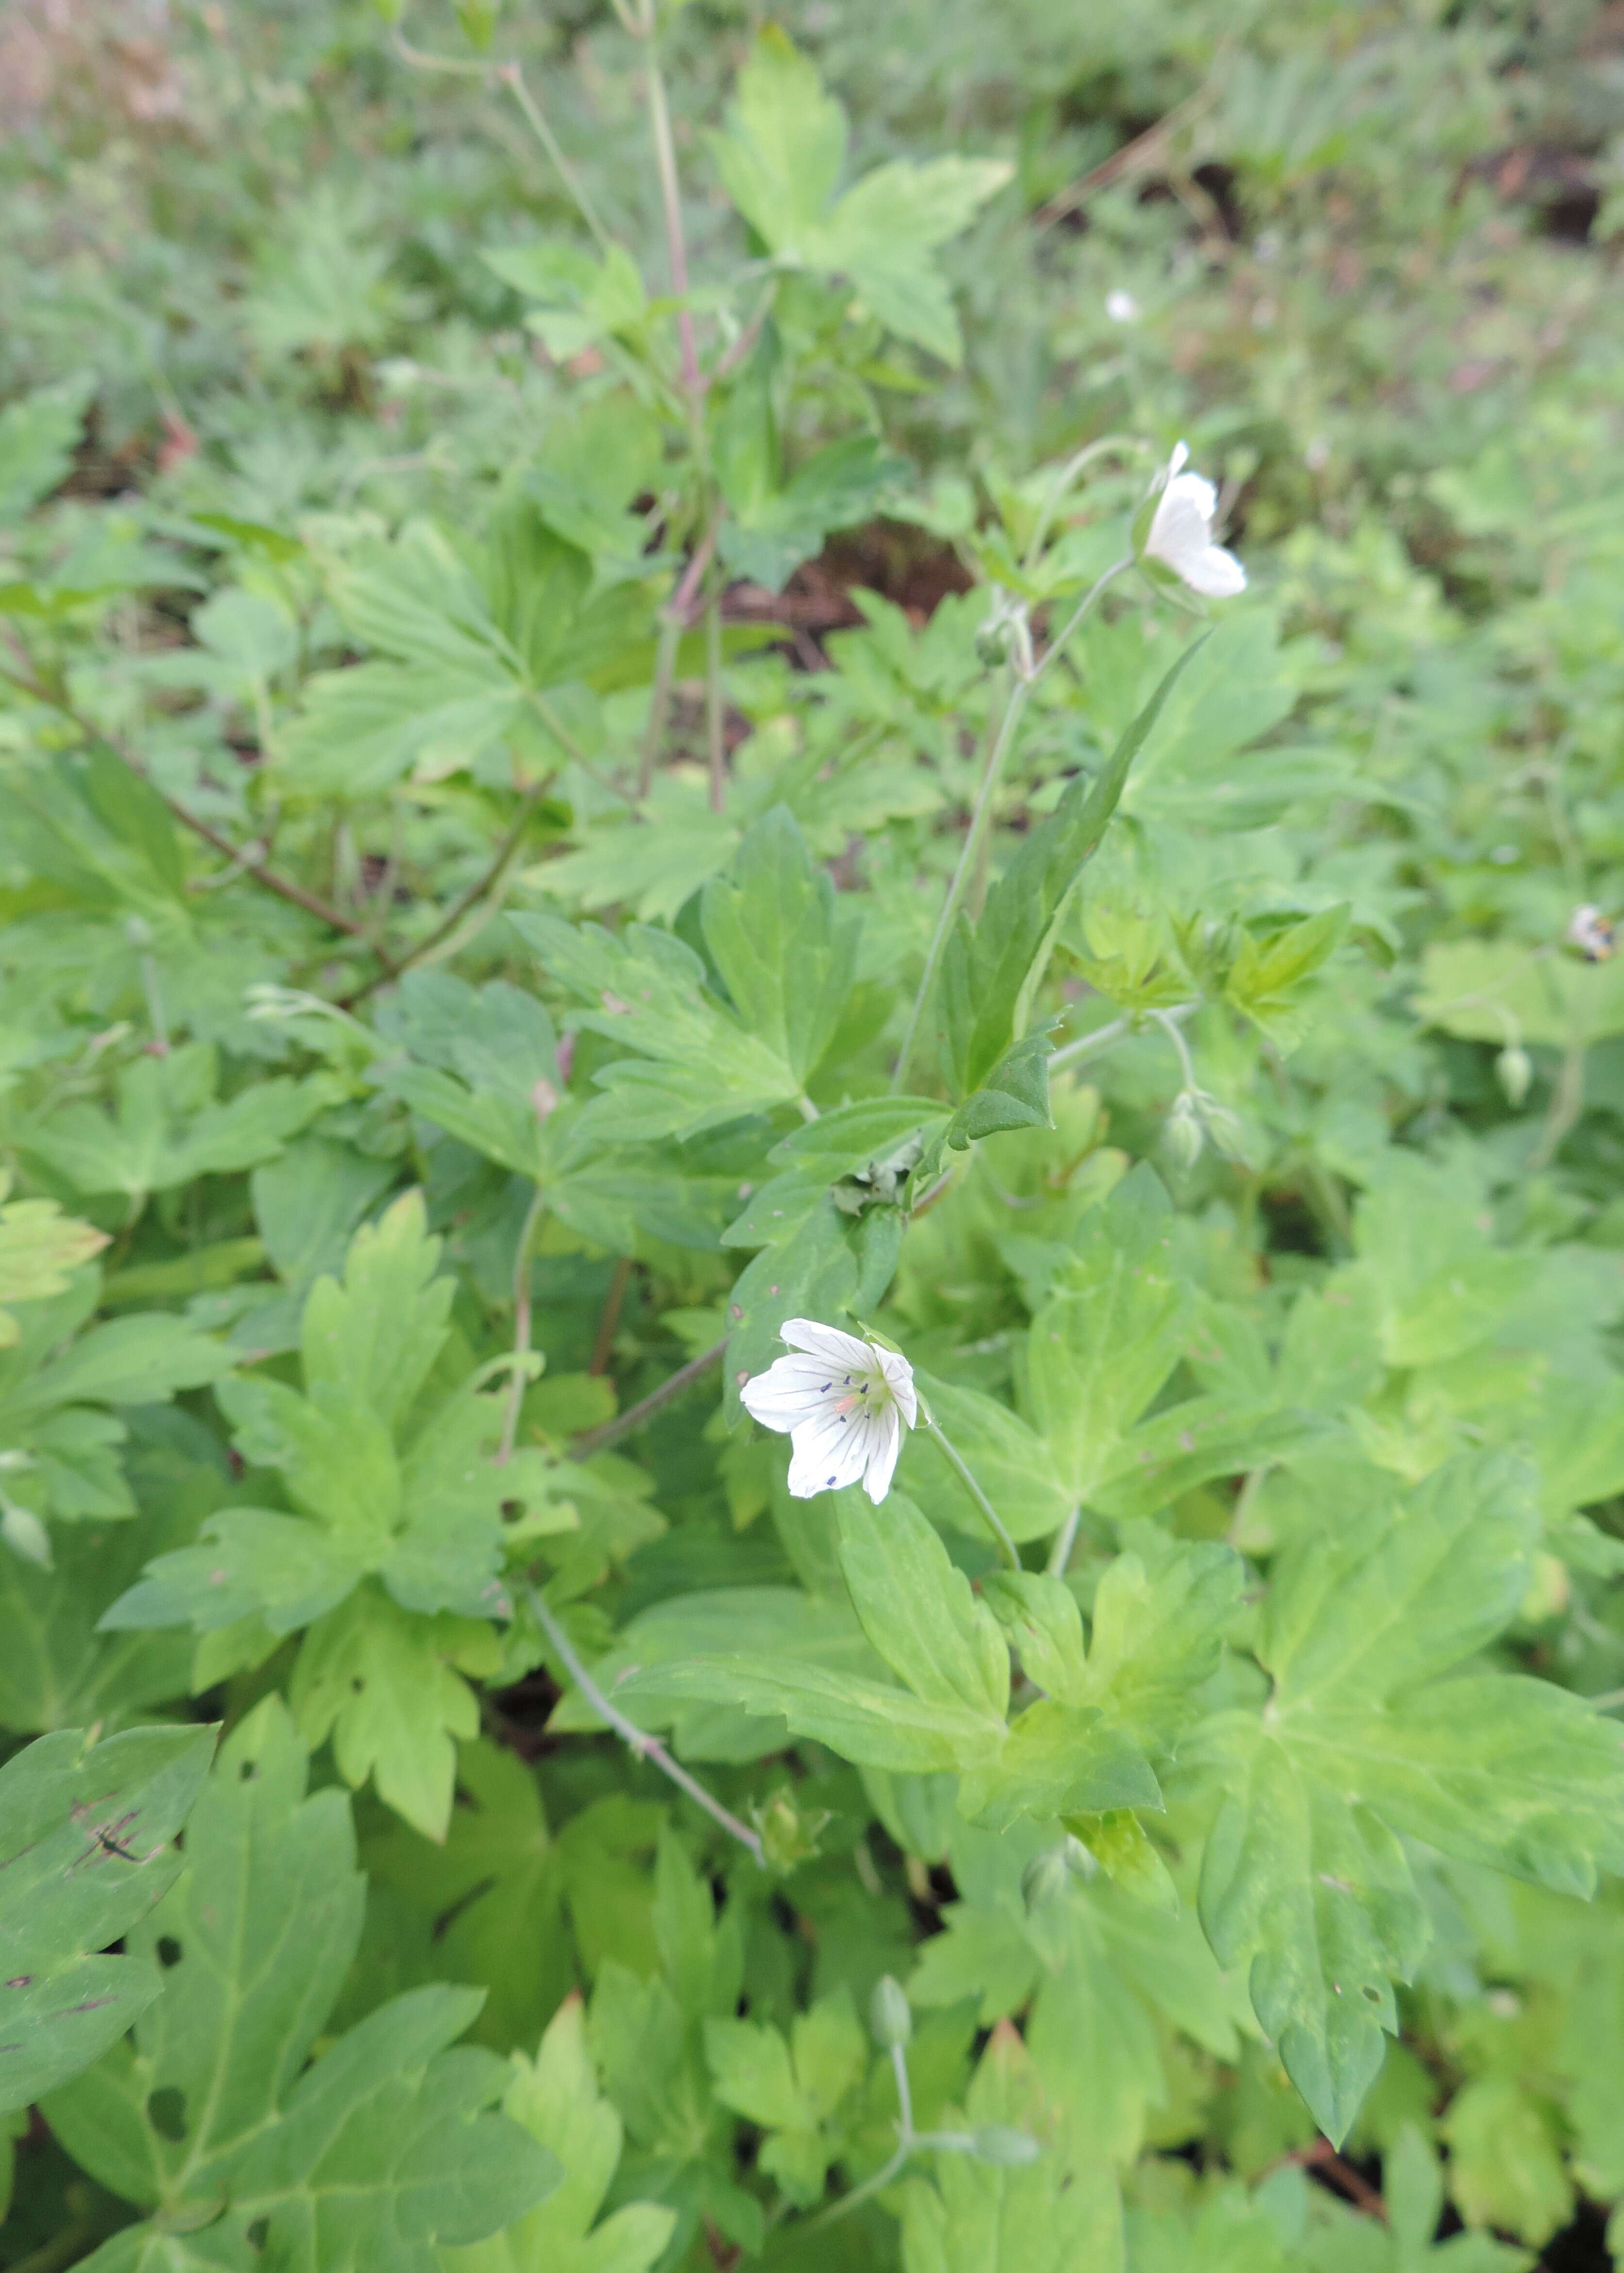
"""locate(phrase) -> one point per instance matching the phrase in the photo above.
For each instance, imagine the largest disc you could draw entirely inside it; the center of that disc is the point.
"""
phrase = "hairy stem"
(1000, 744)
(520, 1326)
(671, 201)
(645, 1746)
(512, 77)
(962, 1469)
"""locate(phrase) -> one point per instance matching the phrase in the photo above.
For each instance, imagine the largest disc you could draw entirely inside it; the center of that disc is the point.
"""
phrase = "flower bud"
(1184, 1133)
(24, 1535)
(889, 2015)
(1045, 1878)
(1514, 1070)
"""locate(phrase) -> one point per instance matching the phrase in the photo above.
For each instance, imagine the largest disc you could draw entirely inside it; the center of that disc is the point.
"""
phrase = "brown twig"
(251, 860)
(1323, 2156)
(598, 1440)
(609, 1318)
(485, 884)
(1131, 155)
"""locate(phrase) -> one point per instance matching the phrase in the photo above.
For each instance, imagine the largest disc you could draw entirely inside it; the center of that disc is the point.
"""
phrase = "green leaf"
(1304, 1875)
(781, 157)
(39, 1249)
(583, 299)
(780, 161)
(695, 1065)
(991, 969)
(918, 1610)
(387, 1687)
(556, 2100)
(769, 530)
(85, 1850)
(885, 228)
(213, 2117)
(1498, 991)
(1506, 2162)
(783, 946)
(1267, 981)
(1012, 1463)
(791, 2090)
(164, 1132)
(871, 1723)
(1058, 1759)
(781, 1621)
(39, 433)
(1056, 2212)
(1110, 1333)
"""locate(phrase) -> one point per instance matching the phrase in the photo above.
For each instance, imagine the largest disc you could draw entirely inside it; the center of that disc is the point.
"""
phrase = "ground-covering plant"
(898, 730)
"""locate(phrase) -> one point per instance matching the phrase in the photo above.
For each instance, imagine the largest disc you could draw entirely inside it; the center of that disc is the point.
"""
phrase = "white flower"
(1181, 534)
(1122, 307)
(844, 1402)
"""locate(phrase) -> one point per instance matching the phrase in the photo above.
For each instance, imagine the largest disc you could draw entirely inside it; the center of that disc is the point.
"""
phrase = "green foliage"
(85, 1833)
(212, 2121)
(587, 772)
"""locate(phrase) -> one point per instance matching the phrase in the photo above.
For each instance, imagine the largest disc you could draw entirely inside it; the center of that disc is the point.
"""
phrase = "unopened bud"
(889, 2015)
(1514, 1070)
(1045, 1878)
(1006, 2148)
(1183, 1132)
(24, 1535)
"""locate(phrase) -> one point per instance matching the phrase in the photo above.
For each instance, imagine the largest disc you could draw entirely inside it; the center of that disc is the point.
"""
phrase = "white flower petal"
(883, 1456)
(789, 1392)
(899, 1376)
(1182, 529)
(1216, 574)
(1179, 460)
(827, 1458)
(827, 1342)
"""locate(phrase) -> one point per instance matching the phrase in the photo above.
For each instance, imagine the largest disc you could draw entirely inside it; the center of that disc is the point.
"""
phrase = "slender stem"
(659, 699)
(908, 2140)
(869, 2187)
(609, 1318)
(1567, 1104)
(512, 77)
(251, 860)
(673, 622)
(596, 1440)
(501, 861)
(671, 200)
(715, 737)
(1057, 645)
(998, 742)
(1122, 445)
(1020, 694)
(1169, 1026)
(520, 1326)
(645, 1746)
(1065, 1540)
(1102, 1038)
(62, 2249)
(905, 2090)
(957, 1462)
(422, 59)
(729, 363)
